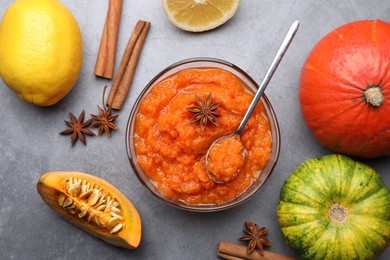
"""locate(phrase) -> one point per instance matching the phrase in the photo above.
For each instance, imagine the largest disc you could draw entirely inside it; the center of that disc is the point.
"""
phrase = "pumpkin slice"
(94, 205)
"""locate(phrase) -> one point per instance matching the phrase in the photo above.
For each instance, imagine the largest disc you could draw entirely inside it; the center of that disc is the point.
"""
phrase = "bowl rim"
(206, 207)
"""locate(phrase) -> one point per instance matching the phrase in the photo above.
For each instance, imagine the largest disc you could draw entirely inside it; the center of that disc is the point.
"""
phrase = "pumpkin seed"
(61, 199)
(108, 205)
(83, 213)
(86, 194)
(97, 221)
(112, 222)
(68, 201)
(116, 215)
(87, 187)
(115, 210)
(101, 200)
(89, 201)
(74, 189)
(83, 186)
(93, 199)
(116, 229)
(70, 180)
(101, 207)
(72, 206)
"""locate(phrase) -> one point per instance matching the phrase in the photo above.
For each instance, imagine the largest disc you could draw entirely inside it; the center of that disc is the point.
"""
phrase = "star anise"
(105, 121)
(78, 128)
(204, 111)
(256, 238)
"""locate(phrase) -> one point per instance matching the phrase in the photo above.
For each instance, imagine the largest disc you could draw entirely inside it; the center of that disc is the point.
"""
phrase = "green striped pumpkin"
(335, 208)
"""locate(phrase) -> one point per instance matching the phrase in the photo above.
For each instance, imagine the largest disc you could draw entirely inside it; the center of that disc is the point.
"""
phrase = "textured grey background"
(31, 145)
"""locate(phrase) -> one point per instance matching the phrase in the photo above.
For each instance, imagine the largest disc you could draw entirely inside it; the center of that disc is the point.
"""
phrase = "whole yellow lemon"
(40, 50)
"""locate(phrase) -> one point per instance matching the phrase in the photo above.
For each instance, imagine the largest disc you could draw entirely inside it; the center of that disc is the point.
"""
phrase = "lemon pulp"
(199, 15)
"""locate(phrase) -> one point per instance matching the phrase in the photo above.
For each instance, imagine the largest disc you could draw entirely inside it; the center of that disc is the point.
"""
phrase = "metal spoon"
(279, 55)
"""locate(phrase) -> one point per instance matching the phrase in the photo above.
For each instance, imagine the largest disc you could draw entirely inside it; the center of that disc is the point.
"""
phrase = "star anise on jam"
(256, 238)
(78, 128)
(105, 120)
(204, 111)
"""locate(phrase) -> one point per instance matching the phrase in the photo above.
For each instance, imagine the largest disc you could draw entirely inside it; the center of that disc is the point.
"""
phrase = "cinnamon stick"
(105, 61)
(231, 251)
(125, 74)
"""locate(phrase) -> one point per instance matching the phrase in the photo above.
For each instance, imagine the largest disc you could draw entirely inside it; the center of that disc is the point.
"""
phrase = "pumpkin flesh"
(335, 78)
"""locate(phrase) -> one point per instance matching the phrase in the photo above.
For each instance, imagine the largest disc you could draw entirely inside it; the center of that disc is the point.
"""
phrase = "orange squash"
(344, 89)
(94, 205)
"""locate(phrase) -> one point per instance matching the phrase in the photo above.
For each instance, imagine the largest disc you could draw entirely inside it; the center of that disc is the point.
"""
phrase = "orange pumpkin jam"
(171, 151)
(226, 159)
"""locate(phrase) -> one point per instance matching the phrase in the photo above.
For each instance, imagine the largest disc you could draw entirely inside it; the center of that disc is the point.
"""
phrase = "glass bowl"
(197, 63)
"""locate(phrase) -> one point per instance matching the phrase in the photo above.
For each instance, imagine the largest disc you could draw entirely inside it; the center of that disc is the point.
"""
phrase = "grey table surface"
(31, 145)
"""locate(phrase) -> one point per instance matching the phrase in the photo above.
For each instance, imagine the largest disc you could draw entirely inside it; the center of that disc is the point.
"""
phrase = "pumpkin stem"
(338, 213)
(373, 96)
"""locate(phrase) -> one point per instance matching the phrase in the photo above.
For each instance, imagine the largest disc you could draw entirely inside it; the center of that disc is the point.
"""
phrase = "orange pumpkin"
(344, 89)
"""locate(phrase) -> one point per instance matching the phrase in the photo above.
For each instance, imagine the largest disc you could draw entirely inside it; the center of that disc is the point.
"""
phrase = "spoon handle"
(279, 55)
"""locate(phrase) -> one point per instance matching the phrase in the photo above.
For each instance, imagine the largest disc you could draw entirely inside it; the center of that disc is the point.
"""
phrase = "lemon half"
(199, 15)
